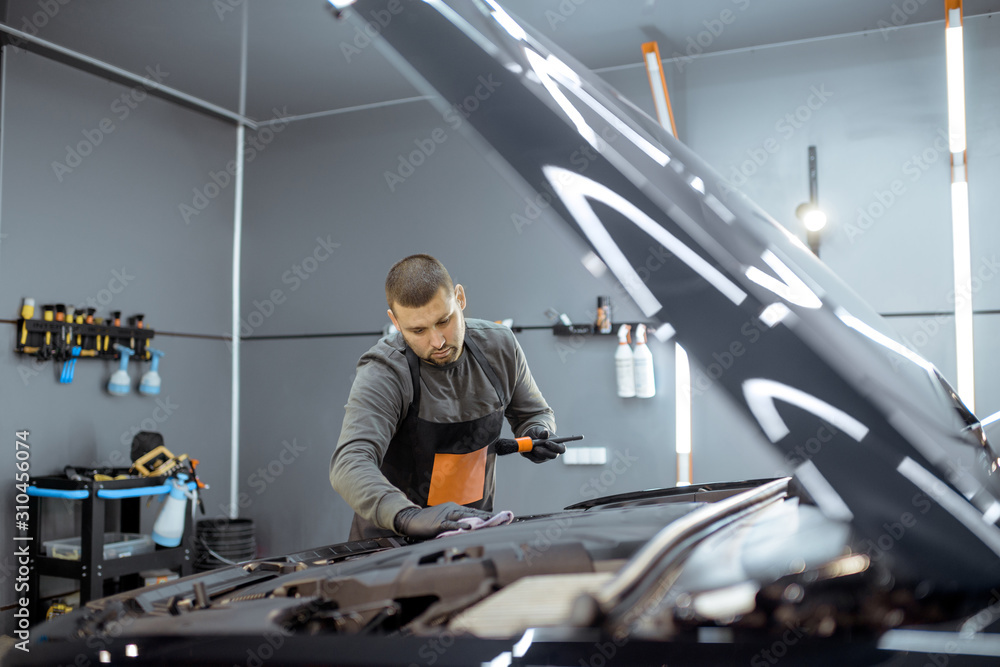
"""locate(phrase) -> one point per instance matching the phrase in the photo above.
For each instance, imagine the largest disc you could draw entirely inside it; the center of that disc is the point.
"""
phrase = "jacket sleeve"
(527, 406)
(374, 410)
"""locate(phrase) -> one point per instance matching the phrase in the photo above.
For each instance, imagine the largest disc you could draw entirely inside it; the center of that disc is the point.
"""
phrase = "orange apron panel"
(458, 478)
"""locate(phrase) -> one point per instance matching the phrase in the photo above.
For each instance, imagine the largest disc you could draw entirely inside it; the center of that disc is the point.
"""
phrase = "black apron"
(434, 463)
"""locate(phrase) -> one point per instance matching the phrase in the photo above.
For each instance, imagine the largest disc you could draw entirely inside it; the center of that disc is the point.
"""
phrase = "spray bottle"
(169, 526)
(623, 364)
(150, 382)
(645, 385)
(119, 384)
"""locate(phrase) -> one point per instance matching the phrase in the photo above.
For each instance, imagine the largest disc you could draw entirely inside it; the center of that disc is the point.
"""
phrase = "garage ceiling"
(301, 60)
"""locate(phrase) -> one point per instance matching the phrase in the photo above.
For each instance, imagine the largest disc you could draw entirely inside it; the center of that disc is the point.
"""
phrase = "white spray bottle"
(642, 359)
(623, 364)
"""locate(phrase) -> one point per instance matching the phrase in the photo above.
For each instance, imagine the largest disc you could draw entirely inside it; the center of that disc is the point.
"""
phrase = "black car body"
(883, 548)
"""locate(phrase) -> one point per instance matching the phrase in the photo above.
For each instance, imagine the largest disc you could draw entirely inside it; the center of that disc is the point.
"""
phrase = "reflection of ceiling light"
(760, 395)
(774, 314)
(508, 23)
(521, 647)
(812, 217)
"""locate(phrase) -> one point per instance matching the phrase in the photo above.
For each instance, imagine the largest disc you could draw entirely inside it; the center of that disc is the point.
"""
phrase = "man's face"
(436, 330)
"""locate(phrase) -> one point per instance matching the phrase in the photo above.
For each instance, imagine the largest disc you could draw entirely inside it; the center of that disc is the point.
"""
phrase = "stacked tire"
(223, 542)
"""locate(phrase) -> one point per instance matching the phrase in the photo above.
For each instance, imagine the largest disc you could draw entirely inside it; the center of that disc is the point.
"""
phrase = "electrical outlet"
(585, 456)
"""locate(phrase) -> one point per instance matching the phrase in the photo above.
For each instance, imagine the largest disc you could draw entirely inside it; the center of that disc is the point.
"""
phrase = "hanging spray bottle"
(150, 382)
(623, 364)
(645, 385)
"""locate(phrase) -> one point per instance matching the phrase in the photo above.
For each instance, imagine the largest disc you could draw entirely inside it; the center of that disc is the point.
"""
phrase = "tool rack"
(92, 570)
(50, 339)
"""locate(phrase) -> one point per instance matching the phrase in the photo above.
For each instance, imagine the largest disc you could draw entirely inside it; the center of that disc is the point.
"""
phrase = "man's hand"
(545, 450)
(431, 521)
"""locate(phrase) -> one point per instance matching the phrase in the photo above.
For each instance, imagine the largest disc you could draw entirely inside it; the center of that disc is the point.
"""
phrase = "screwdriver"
(506, 446)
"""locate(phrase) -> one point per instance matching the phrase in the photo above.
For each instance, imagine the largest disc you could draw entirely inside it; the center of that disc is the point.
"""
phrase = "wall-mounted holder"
(66, 334)
(560, 329)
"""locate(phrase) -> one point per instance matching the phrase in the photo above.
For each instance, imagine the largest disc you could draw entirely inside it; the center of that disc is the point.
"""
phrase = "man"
(415, 451)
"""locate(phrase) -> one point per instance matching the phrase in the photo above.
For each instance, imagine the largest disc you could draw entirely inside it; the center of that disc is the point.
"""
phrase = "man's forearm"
(355, 476)
(545, 419)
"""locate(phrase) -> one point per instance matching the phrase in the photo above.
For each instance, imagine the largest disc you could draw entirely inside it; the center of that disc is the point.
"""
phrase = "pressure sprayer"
(169, 526)
(118, 386)
(150, 383)
(624, 365)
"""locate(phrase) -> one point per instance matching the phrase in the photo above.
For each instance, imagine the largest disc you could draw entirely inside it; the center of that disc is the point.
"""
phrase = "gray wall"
(110, 232)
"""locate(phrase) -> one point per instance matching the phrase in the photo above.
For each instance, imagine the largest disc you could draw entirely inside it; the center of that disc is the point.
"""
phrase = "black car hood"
(904, 461)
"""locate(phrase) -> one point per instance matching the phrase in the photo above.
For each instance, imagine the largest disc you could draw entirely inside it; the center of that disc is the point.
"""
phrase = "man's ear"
(460, 296)
(392, 318)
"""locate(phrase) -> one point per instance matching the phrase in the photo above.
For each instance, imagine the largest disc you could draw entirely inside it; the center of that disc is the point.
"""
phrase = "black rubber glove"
(431, 521)
(545, 450)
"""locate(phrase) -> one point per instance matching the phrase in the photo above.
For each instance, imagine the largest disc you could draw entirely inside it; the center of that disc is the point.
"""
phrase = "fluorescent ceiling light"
(955, 59)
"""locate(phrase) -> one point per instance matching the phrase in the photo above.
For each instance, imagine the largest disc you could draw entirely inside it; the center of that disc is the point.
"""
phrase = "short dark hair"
(415, 280)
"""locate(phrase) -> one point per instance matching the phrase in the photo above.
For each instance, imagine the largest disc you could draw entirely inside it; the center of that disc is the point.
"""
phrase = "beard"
(455, 347)
(440, 360)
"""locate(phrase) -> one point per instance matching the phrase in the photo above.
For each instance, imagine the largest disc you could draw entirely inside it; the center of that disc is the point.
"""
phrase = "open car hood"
(903, 448)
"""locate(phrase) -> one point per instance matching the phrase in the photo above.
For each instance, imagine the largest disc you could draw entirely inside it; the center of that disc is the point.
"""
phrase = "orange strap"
(523, 444)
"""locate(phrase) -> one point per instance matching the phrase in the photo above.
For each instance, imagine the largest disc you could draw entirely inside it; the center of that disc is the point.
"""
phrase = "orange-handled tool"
(506, 446)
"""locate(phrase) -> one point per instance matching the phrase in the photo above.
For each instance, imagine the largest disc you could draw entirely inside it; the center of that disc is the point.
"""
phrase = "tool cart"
(91, 559)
